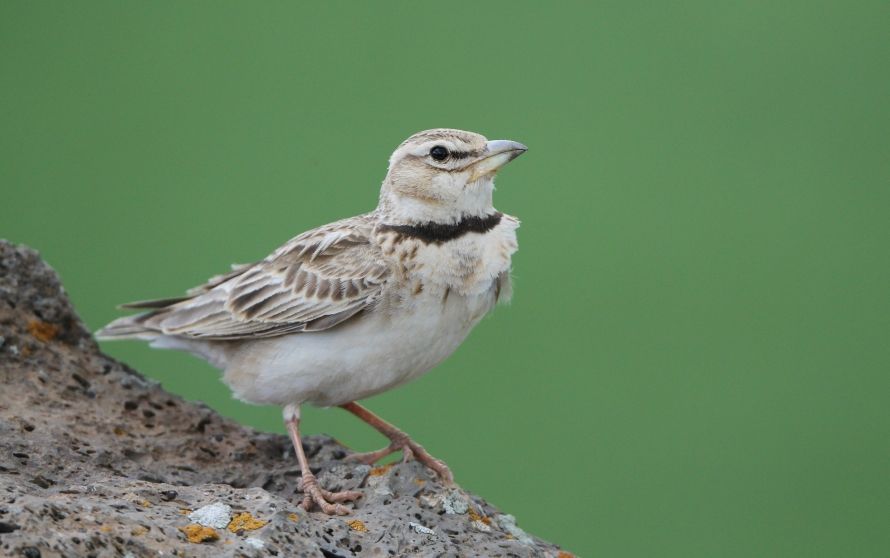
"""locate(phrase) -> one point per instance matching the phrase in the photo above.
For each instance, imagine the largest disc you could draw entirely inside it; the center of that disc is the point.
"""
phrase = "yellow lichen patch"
(293, 517)
(42, 331)
(420, 482)
(118, 431)
(245, 521)
(105, 529)
(184, 511)
(476, 517)
(357, 525)
(138, 530)
(144, 503)
(377, 471)
(198, 533)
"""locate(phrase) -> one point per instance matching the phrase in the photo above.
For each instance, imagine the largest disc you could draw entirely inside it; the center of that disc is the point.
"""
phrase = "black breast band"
(437, 233)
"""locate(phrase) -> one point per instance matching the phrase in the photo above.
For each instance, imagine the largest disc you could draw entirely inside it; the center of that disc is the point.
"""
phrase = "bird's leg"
(398, 440)
(329, 502)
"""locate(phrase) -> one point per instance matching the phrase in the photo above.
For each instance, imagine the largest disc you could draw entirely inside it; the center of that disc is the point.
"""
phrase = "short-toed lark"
(359, 306)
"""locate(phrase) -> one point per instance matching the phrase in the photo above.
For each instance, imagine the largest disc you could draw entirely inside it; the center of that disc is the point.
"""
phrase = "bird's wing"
(315, 281)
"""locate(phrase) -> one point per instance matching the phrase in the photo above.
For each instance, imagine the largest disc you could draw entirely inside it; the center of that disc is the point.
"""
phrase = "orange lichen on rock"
(42, 331)
(246, 522)
(474, 516)
(199, 534)
(564, 554)
(357, 525)
(293, 517)
(377, 471)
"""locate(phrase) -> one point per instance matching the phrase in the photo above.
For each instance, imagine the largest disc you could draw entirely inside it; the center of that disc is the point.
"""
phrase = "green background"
(696, 361)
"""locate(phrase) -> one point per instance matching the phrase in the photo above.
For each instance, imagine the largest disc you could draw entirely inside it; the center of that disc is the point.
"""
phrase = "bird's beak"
(497, 154)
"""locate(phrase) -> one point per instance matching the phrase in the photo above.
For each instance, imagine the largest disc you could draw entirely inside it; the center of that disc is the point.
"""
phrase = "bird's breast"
(466, 265)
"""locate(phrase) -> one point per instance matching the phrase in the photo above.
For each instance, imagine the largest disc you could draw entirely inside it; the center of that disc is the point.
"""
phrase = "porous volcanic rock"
(96, 460)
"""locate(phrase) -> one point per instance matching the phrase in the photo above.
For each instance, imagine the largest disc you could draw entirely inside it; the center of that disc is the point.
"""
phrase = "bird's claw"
(328, 501)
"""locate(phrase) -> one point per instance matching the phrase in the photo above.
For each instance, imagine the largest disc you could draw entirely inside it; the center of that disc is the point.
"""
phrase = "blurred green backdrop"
(696, 361)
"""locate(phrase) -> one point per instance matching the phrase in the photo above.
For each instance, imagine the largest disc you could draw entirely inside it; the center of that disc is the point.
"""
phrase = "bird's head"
(444, 175)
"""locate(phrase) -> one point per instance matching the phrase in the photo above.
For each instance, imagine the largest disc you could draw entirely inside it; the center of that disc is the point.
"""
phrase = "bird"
(358, 306)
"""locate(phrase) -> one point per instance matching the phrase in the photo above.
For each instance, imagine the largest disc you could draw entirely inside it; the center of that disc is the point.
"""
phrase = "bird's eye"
(439, 153)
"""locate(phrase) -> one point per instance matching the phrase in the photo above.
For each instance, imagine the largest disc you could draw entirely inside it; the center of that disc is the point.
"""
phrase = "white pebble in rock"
(418, 528)
(254, 542)
(481, 526)
(455, 504)
(216, 515)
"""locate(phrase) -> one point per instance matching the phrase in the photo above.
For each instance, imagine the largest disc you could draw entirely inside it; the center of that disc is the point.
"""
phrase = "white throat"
(475, 199)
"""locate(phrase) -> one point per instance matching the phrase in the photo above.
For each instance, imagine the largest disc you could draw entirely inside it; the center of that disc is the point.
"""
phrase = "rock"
(96, 460)
(254, 542)
(455, 503)
(508, 523)
(197, 533)
(216, 515)
(418, 528)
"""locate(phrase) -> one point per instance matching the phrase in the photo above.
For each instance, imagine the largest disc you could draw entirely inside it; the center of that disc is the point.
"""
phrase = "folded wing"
(314, 282)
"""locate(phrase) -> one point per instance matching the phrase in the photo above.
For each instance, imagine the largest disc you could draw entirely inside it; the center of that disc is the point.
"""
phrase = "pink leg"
(329, 502)
(398, 441)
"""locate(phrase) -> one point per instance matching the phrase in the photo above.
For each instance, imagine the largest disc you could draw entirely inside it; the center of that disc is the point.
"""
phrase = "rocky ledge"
(96, 460)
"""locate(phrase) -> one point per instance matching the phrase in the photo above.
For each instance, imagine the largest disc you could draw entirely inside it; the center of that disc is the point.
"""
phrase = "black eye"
(439, 153)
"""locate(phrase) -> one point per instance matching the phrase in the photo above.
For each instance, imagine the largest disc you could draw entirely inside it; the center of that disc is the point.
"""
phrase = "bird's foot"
(328, 501)
(410, 450)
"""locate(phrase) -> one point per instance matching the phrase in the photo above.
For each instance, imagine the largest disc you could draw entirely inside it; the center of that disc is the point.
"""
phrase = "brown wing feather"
(314, 282)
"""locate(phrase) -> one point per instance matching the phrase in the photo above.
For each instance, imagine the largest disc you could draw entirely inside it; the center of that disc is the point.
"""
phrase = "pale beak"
(497, 154)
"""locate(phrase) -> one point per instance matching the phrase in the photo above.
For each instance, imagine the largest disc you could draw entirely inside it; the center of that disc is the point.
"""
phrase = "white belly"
(363, 357)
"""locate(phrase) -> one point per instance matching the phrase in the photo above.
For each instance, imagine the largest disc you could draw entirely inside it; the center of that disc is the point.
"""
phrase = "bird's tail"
(128, 327)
